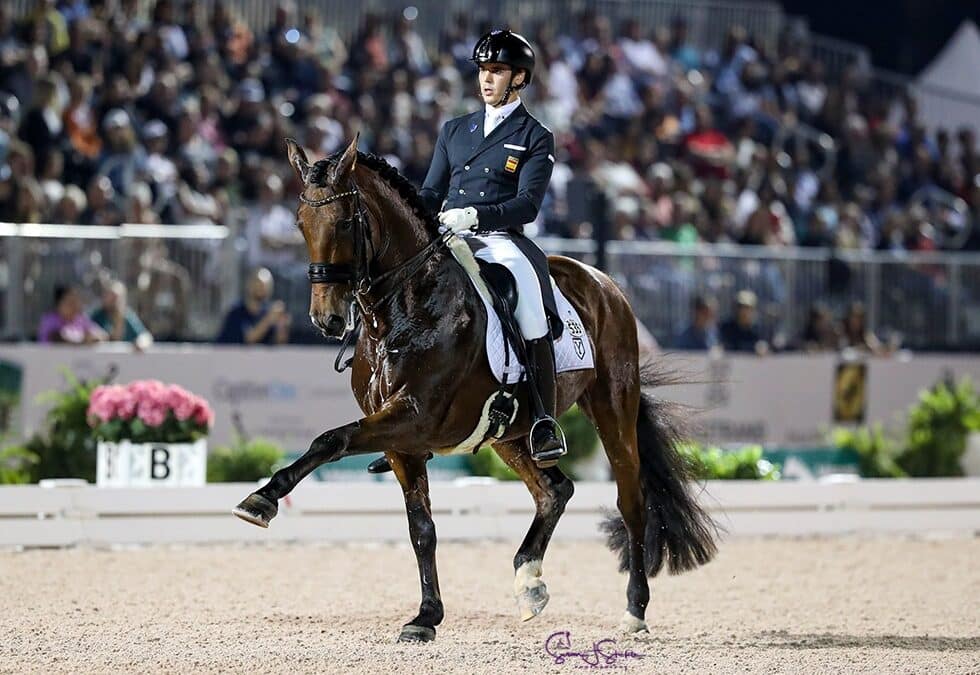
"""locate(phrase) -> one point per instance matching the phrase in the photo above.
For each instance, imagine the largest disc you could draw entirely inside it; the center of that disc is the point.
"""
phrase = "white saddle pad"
(573, 351)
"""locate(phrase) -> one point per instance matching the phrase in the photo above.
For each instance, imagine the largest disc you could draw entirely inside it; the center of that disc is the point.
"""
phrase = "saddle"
(503, 292)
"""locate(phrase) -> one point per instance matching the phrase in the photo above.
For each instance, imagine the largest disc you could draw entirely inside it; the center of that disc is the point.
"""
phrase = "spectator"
(68, 323)
(270, 228)
(856, 333)
(256, 320)
(702, 334)
(820, 333)
(739, 333)
(118, 320)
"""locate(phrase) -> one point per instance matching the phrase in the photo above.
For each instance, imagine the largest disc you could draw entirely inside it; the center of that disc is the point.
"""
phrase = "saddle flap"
(501, 282)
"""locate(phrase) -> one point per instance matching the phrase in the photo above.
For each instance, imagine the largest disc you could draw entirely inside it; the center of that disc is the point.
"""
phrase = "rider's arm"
(532, 183)
(436, 183)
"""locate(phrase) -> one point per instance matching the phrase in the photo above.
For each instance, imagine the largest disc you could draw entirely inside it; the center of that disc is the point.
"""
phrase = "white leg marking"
(629, 624)
(530, 590)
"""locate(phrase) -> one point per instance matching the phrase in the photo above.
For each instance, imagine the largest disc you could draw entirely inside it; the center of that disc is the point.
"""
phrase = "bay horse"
(421, 376)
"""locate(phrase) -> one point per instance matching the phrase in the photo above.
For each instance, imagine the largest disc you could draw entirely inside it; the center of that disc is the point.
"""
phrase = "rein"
(359, 273)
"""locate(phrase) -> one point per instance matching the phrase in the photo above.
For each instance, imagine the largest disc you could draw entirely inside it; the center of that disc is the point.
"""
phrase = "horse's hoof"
(256, 509)
(412, 633)
(532, 601)
(629, 624)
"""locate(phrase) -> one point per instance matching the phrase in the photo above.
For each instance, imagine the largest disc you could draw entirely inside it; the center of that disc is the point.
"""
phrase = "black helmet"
(502, 46)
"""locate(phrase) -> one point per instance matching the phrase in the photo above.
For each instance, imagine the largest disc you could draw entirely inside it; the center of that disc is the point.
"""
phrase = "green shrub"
(65, 446)
(580, 436)
(16, 464)
(938, 425)
(743, 464)
(876, 452)
(244, 461)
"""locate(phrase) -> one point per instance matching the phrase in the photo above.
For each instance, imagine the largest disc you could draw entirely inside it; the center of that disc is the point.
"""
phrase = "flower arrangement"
(148, 411)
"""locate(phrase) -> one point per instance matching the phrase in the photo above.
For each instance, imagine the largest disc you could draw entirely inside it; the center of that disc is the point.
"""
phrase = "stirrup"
(548, 457)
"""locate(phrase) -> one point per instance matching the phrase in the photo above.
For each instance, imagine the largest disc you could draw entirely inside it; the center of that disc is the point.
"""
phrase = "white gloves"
(459, 220)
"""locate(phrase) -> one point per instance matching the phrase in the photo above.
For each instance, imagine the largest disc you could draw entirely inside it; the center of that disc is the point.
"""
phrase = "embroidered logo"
(511, 165)
(473, 127)
(576, 330)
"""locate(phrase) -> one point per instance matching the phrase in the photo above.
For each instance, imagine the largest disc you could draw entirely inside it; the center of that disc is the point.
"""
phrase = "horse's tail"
(678, 531)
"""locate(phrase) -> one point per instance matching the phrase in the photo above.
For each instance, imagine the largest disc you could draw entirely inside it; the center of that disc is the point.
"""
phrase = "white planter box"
(970, 461)
(126, 464)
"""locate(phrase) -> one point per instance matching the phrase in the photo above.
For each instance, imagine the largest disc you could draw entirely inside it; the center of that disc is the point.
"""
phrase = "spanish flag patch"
(511, 164)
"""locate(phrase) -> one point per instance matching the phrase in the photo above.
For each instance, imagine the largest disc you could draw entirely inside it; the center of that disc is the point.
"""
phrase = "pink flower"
(105, 402)
(203, 414)
(152, 415)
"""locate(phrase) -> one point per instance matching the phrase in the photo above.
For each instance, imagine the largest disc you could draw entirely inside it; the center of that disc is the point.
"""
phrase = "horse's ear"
(347, 162)
(297, 157)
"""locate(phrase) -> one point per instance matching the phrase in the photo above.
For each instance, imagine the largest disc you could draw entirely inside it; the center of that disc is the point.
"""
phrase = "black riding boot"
(381, 465)
(546, 439)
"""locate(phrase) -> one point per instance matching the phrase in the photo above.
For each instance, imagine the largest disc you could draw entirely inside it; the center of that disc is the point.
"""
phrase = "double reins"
(358, 273)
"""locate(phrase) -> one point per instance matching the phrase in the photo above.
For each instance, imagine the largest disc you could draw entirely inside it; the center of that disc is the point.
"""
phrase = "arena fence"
(920, 300)
(182, 278)
(179, 277)
(469, 509)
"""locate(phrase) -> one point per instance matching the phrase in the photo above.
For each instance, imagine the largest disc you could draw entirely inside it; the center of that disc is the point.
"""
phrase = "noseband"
(328, 273)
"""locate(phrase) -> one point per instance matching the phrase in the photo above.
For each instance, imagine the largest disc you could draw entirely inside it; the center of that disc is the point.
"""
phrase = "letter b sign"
(159, 463)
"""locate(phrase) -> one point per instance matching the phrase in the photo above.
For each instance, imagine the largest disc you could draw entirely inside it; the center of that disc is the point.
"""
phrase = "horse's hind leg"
(551, 490)
(411, 473)
(613, 404)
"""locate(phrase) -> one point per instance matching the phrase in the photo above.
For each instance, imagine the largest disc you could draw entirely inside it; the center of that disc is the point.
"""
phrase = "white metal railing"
(180, 277)
(86, 515)
(920, 299)
(924, 299)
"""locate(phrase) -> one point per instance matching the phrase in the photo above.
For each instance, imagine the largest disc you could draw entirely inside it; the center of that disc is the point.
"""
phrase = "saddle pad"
(573, 350)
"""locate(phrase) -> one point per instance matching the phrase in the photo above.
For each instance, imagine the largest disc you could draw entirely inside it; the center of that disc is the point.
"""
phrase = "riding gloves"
(459, 220)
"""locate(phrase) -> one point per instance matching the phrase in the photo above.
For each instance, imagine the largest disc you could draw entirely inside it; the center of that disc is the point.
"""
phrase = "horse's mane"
(389, 174)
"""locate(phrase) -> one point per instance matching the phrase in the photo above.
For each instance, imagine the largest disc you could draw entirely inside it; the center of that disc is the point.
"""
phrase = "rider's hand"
(459, 220)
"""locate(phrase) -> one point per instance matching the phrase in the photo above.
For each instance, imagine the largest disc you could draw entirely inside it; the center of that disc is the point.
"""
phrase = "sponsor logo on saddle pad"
(511, 164)
(576, 330)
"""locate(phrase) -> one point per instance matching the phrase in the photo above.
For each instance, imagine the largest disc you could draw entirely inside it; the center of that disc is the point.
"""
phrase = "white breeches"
(530, 314)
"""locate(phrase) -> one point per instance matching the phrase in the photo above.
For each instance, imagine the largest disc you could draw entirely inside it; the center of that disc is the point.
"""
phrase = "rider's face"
(494, 78)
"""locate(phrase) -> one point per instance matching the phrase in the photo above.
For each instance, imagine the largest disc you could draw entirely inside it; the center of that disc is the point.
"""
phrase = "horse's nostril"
(335, 324)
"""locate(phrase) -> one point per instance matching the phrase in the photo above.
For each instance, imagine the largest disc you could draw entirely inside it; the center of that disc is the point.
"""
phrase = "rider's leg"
(545, 439)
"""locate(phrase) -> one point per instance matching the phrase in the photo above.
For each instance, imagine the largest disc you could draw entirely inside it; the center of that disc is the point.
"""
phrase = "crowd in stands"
(109, 114)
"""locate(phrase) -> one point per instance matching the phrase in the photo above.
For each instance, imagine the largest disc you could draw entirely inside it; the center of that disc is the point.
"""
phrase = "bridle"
(358, 273)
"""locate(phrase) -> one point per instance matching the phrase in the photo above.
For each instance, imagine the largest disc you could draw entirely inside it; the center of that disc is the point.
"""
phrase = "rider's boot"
(381, 464)
(546, 438)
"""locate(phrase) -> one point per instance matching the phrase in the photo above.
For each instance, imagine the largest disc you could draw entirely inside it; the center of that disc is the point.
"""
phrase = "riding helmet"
(502, 46)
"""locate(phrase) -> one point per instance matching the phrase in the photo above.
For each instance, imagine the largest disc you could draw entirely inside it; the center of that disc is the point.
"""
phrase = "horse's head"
(328, 218)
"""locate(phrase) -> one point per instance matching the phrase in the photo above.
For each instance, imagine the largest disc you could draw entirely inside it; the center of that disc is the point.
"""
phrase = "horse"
(421, 375)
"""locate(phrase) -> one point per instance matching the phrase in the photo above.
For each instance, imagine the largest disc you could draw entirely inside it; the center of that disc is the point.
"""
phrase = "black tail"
(678, 531)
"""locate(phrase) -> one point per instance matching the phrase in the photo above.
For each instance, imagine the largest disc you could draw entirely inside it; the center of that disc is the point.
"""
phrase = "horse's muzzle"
(333, 326)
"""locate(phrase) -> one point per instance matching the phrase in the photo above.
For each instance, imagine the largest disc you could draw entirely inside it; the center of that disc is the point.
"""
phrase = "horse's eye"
(344, 225)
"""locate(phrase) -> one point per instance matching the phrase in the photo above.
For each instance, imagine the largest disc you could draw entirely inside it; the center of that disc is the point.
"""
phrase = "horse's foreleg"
(394, 426)
(411, 473)
(551, 490)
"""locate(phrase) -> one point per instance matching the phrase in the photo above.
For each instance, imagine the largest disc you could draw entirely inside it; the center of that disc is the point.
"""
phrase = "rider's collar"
(503, 111)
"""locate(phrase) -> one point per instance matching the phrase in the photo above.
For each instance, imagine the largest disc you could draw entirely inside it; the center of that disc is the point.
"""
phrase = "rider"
(489, 173)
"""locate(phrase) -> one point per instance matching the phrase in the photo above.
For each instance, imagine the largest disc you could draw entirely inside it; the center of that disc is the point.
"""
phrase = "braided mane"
(389, 174)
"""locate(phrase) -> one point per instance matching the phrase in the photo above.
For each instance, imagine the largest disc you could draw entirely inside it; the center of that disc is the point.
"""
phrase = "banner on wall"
(291, 394)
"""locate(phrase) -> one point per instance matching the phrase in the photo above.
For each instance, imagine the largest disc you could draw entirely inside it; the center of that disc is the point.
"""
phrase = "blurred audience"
(739, 333)
(702, 334)
(118, 320)
(171, 112)
(257, 319)
(67, 322)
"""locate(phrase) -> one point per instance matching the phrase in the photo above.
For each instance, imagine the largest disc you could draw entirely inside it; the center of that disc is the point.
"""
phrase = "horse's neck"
(404, 235)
